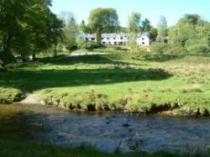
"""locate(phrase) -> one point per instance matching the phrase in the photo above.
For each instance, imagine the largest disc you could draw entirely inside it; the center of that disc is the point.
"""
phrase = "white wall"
(119, 38)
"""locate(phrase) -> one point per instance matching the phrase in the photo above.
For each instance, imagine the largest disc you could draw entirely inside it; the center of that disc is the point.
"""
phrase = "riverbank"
(177, 86)
(26, 149)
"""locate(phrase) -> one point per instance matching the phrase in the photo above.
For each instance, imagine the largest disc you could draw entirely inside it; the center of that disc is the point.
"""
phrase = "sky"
(151, 9)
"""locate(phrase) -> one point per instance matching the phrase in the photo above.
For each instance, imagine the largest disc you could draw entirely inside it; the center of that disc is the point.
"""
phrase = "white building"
(143, 39)
(119, 38)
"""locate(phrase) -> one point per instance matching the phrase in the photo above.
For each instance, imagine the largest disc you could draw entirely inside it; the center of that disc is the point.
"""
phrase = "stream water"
(107, 132)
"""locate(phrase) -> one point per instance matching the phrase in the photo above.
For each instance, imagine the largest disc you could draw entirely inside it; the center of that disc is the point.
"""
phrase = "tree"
(134, 27)
(46, 28)
(56, 34)
(11, 29)
(162, 29)
(26, 27)
(70, 33)
(192, 19)
(153, 34)
(134, 22)
(191, 32)
(209, 40)
(146, 25)
(103, 20)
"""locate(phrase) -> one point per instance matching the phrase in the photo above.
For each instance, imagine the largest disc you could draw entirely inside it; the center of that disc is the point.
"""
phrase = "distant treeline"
(28, 27)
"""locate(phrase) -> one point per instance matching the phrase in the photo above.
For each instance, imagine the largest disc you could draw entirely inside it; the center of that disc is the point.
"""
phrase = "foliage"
(85, 28)
(159, 48)
(34, 27)
(71, 32)
(146, 25)
(103, 20)
(162, 29)
(134, 22)
(10, 95)
(191, 32)
(153, 34)
(89, 45)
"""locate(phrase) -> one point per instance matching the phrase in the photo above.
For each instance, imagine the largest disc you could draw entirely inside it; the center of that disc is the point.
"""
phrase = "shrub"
(175, 50)
(71, 45)
(10, 95)
(92, 45)
(195, 46)
(199, 49)
(89, 45)
(159, 48)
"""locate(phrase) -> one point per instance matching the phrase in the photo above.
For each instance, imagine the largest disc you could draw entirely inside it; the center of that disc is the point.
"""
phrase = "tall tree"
(70, 33)
(192, 19)
(162, 29)
(209, 40)
(11, 11)
(153, 34)
(134, 22)
(103, 20)
(26, 27)
(146, 25)
(191, 32)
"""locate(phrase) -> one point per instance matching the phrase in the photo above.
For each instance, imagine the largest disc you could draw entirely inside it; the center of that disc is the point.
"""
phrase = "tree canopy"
(27, 27)
(134, 22)
(191, 32)
(162, 29)
(103, 20)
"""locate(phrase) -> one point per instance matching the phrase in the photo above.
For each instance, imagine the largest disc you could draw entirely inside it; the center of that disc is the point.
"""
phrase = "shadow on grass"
(86, 59)
(33, 80)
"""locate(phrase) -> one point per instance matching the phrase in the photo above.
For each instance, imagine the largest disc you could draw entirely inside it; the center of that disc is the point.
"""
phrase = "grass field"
(178, 85)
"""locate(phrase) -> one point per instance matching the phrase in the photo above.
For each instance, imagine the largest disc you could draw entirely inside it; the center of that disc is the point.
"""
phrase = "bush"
(71, 45)
(195, 46)
(6, 58)
(198, 49)
(159, 48)
(89, 45)
(10, 95)
(175, 50)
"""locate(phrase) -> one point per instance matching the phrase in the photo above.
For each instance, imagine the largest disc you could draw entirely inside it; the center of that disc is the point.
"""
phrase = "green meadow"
(113, 81)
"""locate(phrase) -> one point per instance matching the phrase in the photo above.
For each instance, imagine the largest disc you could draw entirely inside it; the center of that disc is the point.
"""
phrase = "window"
(142, 38)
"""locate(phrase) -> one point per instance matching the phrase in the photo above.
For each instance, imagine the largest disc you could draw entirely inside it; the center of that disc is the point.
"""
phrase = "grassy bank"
(25, 149)
(175, 85)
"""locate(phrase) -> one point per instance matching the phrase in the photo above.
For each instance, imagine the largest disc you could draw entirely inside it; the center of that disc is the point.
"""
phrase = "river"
(109, 132)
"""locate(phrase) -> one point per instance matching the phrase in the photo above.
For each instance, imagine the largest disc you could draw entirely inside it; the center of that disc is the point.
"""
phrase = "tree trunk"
(98, 36)
(55, 51)
(6, 55)
(34, 56)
